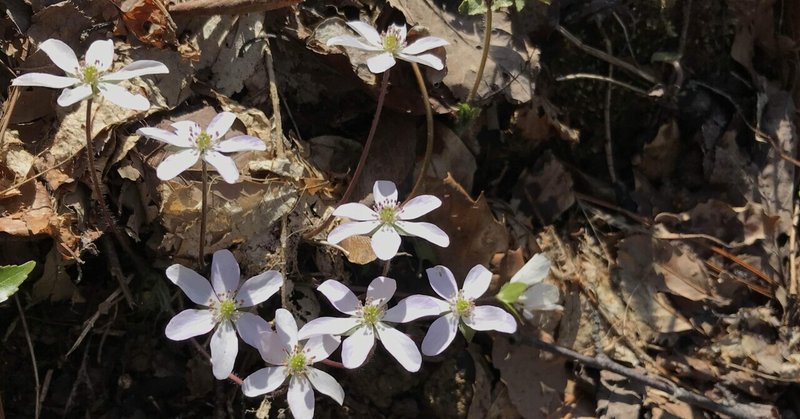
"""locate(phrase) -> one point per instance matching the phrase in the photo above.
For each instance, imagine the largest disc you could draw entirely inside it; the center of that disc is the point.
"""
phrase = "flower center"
(463, 306)
(370, 314)
(203, 141)
(226, 309)
(387, 215)
(296, 363)
(90, 74)
(390, 42)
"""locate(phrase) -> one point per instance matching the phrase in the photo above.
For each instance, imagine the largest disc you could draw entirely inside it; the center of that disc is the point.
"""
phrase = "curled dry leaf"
(149, 21)
(547, 188)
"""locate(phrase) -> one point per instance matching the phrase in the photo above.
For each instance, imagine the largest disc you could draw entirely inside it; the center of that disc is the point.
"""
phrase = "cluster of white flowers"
(228, 306)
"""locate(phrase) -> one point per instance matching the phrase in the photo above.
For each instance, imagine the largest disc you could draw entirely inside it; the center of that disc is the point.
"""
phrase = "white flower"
(390, 46)
(293, 361)
(207, 144)
(536, 295)
(457, 306)
(92, 78)
(223, 303)
(388, 220)
(366, 322)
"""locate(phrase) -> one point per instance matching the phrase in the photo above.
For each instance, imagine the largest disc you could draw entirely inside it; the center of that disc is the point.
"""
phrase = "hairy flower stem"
(364, 153)
(429, 121)
(93, 171)
(487, 39)
(203, 216)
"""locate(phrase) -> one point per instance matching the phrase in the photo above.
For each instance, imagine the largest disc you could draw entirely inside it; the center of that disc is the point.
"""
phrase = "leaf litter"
(683, 267)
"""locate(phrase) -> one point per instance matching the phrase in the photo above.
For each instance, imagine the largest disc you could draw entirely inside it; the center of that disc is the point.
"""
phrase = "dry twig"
(227, 7)
(602, 362)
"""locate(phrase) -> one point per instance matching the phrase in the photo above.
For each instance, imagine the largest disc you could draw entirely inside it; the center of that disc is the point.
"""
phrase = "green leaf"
(511, 291)
(519, 4)
(472, 7)
(665, 57)
(12, 276)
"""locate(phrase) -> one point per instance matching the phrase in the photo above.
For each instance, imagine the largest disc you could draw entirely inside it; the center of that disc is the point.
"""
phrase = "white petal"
(259, 288)
(264, 381)
(367, 31)
(491, 318)
(225, 165)
(429, 60)
(286, 328)
(385, 242)
(418, 206)
(321, 347)
(427, 231)
(193, 285)
(224, 346)
(74, 95)
(220, 125)
(187, 129)
(340, 296)
(273, 350)
(241, 143)
(384, 191)
(356, 228)
(190, 323)
(443, 282)
(424, 44)
(300, 398)
(381, 290)
(176, 163)
(44, 80)
(541, 297)
(327, 326)
(356, 211)
(534, 270)
(136, 69)
(325, 384)
(121, 97)
(400, 346)
(414, 307)
(224, 273)
(165, 136)
(357, 346)
(62, 55)
(440, 335)
(100, 55)
(252, 329)
(349, 41)
(380, 63)
(477, 282)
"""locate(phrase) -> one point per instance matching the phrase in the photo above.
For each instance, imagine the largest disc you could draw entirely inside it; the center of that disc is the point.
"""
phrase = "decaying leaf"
(659, 157)
(475, 235)
(535, 381)
(149, 21)
(547, 188)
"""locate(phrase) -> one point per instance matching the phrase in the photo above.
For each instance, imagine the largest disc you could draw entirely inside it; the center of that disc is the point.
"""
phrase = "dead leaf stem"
(364, 153)
(487, 39)
(429, 134)
(277, 133)
(203, 215)
(38, 389)
(11, 103)
(609, 146)
(603, 362)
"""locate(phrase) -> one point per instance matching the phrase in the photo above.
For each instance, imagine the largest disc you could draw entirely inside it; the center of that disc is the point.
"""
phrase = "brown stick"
(201, 254)
(38, 390)
(277, 133)
(227, 7)
(737, 410)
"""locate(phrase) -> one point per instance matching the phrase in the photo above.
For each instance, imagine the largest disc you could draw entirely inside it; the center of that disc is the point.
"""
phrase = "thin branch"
(606, 79)
(732, 409)
(426, 160)
(605, 56)
(227, 7)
